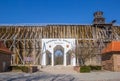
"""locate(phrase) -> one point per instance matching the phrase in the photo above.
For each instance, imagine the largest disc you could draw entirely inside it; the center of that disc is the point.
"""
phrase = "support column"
(65, 60)
(74, 61)
(44, 59)
(52, 60)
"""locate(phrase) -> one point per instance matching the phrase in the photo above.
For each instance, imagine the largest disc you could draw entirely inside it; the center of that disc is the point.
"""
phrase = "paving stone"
(43, 76)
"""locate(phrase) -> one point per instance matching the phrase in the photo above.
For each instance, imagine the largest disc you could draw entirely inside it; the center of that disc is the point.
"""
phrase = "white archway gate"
(50, 44)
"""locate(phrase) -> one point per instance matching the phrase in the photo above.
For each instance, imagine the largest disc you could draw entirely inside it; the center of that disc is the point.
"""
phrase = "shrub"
(85, 69)
(95, 67)
(15, 67)
(22, 68)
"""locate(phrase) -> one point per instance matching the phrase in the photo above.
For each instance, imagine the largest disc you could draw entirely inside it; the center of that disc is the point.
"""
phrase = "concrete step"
(58, 69)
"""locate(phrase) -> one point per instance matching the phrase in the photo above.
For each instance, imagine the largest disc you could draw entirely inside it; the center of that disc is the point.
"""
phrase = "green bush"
(95, 67)
(22, 68)
(15, 68)
(85, 69)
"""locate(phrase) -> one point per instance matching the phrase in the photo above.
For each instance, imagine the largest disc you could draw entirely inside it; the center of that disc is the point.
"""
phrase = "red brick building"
(5, 58)
(111, 56)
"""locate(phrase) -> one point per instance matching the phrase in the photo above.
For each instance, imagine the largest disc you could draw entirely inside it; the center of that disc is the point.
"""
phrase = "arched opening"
(68, 57)
(48, 57)
(58, 55)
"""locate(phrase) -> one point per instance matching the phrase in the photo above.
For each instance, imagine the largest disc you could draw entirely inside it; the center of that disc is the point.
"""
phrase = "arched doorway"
(58, 55)
(57, 52)
(68, 57)
(48, 57)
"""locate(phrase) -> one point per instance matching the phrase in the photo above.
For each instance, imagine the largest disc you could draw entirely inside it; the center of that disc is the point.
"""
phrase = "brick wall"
(116, 62)
(107, 62)
(111, 62)
(5, 60)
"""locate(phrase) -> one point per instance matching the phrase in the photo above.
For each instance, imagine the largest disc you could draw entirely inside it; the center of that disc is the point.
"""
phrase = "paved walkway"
(58, 69)
(52, 74)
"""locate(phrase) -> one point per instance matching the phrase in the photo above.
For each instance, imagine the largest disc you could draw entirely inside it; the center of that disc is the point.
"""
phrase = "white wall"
(49, 44)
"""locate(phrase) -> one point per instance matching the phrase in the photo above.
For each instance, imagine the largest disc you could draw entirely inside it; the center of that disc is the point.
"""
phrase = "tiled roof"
(4, 49)
(112, 47)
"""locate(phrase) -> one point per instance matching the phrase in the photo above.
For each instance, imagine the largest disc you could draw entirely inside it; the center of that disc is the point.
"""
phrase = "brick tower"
(98, 18)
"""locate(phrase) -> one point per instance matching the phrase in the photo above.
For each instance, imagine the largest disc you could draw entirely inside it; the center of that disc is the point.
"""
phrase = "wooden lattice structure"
(25, 41)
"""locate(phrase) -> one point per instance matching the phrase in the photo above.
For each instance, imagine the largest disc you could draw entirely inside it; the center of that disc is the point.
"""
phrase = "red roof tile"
(113, 46)
(4, 49)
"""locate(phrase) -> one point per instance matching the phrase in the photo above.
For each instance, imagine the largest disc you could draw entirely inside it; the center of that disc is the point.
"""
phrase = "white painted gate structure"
(49, 45)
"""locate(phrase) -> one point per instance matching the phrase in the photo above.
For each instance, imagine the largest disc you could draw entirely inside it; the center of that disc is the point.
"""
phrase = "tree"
(84, 51)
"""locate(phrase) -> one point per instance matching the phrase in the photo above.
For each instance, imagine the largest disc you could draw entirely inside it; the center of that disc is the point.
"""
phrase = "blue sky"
(57, 11)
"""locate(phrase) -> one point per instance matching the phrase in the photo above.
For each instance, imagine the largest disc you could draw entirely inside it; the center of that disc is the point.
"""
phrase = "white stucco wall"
(49, 44)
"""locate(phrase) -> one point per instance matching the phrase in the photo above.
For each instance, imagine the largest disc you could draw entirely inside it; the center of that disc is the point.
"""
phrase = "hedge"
(95, 67)
(22, 68)
(85, 69)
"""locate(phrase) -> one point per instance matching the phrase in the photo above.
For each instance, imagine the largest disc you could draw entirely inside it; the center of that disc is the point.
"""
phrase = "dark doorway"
(69, 57)
(48, 57)
(58, 55)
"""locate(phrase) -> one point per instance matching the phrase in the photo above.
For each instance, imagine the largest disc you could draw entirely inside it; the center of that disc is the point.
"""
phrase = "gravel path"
(58, 69)
(39, 76)
(60, 74)
(43, 76)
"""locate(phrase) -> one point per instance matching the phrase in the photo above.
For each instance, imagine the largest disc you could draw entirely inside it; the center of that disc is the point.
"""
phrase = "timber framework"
(26, 41)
